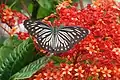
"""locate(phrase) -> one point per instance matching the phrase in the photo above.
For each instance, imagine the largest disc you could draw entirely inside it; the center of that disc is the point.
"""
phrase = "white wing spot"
(78, 37)
(39, 25)
(57, 49)
(81, 36)
(27, 23)
(40, 39)
(28, 27)
(35, 35)
(84, 31)
(32, 26)
(61, 48)
(43, 36)
(65, 48)
(74, 33)
(72, 42)
(32, 29)
(61, 45)
(46, 43)
(68, 47)
(36, 27)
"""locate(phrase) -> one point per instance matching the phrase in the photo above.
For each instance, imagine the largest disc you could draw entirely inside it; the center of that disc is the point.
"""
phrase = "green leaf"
(17, 59)
(42, 12)
(12, 42)
(1, 45)
(47, 4)
(46, 7)
(31, 69)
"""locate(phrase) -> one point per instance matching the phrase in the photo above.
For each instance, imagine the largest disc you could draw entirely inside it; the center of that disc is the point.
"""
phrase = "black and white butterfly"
(55, 39)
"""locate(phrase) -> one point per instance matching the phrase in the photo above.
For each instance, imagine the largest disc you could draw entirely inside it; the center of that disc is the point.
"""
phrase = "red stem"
(5, 29)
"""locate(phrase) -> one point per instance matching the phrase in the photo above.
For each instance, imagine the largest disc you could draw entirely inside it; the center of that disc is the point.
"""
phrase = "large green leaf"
(4, 51)
(31, 69)
(17, 59)
(8, 46)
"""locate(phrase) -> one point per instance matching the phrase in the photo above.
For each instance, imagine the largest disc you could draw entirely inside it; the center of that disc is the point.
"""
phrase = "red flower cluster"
(76, 72)
(23, 35)
(10, 17)
(7, 17)
(98, 55)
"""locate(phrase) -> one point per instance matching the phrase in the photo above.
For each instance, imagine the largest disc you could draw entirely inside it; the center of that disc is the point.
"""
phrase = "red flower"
(79, 72)
(94, 70)
(23, 35)
(20, 17)
(105, 72)
(116, 72)
(67, 69)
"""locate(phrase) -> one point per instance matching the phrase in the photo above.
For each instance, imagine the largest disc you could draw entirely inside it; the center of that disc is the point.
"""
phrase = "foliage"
(16, 57)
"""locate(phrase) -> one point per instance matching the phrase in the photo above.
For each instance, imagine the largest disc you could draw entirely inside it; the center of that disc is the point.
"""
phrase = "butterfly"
(55, 39)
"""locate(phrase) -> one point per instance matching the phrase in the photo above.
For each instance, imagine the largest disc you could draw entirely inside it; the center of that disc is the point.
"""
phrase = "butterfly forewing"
(55, 40)
(42, 32)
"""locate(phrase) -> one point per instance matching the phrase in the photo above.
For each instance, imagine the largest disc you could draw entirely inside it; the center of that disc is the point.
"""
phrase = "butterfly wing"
(42, 32)
(66, 37)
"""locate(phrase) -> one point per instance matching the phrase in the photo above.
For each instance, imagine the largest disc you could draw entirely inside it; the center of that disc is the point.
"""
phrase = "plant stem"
(13, 4)
(81, 4)
(25, 7)
(35, 9)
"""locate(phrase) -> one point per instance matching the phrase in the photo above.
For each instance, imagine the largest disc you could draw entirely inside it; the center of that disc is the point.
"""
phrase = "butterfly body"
(55, 39)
